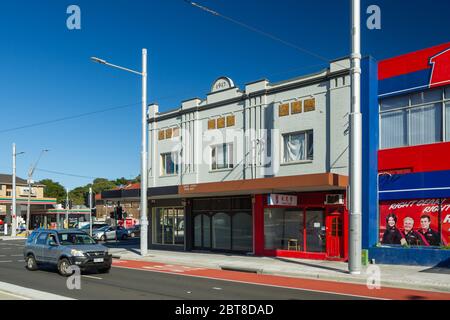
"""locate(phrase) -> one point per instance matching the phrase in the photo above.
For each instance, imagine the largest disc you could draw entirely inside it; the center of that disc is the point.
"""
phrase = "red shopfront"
(301, 225)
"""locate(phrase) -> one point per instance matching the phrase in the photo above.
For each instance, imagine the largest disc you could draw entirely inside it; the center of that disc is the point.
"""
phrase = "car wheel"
(103, 238)
(104, 270)
(63, 267)
(31, 263)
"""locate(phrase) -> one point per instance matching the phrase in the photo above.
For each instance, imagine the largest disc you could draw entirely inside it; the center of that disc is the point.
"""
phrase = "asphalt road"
(136, 284)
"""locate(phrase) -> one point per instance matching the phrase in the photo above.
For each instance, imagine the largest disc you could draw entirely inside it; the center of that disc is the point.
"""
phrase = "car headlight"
(77, 253)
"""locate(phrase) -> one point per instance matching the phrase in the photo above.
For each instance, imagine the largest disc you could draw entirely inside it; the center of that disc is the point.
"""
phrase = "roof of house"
(129, 186)
(7, 179)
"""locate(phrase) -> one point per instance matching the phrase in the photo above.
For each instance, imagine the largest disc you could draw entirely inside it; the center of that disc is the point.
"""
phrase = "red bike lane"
(334, 287)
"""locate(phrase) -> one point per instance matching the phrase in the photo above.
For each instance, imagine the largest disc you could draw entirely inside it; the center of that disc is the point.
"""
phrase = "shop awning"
(299, 183)
(33, 201)
(422, 185)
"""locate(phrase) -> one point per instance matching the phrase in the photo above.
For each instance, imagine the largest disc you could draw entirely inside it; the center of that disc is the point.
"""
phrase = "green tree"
(53, 189)
(77, 195)
(102, 184)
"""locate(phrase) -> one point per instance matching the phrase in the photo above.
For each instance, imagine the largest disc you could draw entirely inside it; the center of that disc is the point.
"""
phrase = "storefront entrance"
(168, 226)
(223, 224)
(304, 230)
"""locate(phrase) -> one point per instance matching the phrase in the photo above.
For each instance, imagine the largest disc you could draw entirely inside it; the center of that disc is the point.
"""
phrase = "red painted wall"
(424, 158)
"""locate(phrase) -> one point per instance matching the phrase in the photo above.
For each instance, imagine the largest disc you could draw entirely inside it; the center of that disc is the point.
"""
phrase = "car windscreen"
(75, 239)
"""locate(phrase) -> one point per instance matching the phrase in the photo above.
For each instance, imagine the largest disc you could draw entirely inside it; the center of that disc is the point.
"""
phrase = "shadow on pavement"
(311, 265)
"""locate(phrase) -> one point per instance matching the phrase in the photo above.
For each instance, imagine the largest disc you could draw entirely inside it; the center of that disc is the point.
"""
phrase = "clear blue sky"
(46, 72)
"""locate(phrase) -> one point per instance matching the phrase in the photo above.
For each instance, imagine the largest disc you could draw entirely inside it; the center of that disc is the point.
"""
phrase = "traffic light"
(86, 199)
(119, 213)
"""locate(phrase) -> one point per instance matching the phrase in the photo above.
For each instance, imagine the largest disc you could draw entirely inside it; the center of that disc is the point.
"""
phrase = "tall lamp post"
(14, 196)
(355, 242)
(144, 173)
(30, 183)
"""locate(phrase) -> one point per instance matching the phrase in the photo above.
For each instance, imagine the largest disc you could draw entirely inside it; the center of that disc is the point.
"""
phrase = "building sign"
(411, 223)
(222, 83)
(282, 200)
(417, 71)
(24, 191)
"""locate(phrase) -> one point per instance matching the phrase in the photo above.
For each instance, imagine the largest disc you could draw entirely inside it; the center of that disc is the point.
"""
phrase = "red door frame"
(314, 200)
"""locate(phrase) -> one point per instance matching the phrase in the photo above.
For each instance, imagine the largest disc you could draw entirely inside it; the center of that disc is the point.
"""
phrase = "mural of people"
(432, 237)
(392, 235)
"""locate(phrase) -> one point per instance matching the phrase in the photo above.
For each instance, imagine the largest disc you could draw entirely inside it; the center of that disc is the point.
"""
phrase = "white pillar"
(354, 263)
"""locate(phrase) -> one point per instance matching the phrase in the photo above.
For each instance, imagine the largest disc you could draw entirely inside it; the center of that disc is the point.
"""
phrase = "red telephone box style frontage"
(301, 225)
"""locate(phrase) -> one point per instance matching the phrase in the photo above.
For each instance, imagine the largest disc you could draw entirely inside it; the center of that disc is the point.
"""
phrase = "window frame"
(163, 171)
(407, 109)
(308, 133)
(230, 156)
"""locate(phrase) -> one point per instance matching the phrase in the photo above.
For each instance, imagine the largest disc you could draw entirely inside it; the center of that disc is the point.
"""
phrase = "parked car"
(95, 226)
(109, 233)
(65, 248)
(135, 231)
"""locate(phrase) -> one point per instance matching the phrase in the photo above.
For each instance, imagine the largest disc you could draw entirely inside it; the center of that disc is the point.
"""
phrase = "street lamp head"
(98, 60)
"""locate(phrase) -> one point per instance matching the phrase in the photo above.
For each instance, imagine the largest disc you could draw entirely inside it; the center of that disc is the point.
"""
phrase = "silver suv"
(64, 248)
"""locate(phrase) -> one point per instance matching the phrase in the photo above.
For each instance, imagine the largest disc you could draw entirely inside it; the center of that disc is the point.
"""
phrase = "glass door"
(315, 230)
(168, 226)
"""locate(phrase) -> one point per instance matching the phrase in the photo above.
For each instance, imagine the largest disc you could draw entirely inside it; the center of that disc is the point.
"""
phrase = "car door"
(110, 233)
(38, 248)
(51, 252)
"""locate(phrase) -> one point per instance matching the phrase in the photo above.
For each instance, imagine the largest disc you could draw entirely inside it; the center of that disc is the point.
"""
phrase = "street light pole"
(354, 259)
(67, 210)
(14, 195)
(30, 183)
(144, 172)
(90, 211)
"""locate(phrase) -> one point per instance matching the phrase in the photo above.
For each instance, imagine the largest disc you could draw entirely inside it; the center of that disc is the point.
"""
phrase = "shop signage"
(419, 222)
(282, 200)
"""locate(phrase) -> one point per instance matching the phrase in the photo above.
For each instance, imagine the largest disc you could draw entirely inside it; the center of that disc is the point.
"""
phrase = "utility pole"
(14, 195)
(67, 209)
(354, 259)
(144, 172)
(30, 183)
(90, 211)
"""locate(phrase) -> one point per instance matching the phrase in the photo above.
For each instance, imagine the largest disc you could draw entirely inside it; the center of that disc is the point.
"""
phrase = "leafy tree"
(53, 189)
(102, 184)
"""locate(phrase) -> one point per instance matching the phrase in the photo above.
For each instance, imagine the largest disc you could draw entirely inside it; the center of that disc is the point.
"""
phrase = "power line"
(266, 34)
(66, 174)
(36, 124)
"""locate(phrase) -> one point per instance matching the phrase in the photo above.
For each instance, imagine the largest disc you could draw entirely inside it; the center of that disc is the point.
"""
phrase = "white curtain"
(294, 147)
(425, 124)
(393, 129)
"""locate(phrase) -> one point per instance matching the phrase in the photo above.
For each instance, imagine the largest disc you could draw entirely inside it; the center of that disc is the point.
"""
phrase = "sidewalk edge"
(30, 294)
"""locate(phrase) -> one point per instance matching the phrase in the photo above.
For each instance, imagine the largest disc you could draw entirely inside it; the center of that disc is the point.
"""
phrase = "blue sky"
(46, 72)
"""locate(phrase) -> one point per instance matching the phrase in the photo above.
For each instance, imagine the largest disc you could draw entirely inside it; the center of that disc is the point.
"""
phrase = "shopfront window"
(294, 229)
(168, 226)
(223, 224)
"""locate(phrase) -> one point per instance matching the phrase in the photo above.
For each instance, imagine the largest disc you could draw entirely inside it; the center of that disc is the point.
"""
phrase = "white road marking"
(20, 260)
(16, 255)
(216, 288)
(92, 277)
(6, 261)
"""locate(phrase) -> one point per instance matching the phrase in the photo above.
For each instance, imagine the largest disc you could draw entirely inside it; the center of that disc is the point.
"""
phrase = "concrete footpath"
(408, 277)
(10, 291)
